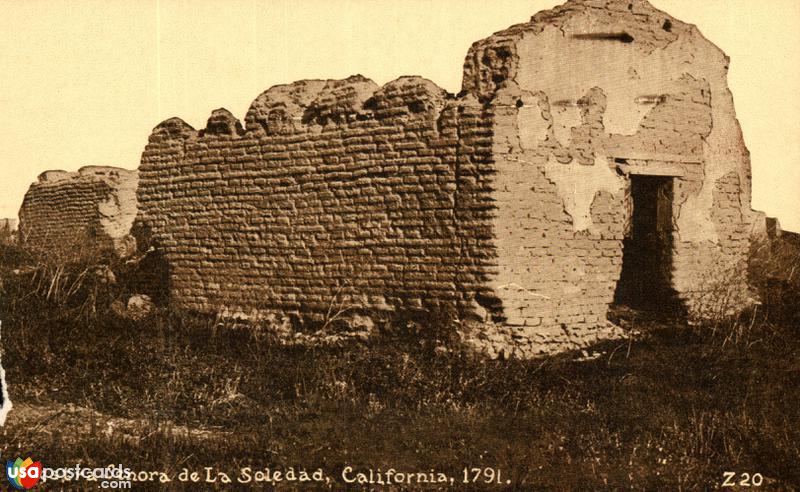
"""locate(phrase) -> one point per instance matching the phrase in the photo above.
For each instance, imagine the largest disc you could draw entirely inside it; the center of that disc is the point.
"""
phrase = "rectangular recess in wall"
(660, 169)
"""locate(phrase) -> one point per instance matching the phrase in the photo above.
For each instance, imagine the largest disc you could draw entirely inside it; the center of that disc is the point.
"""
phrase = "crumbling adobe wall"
(333, 194)
(510, 202)
(585, 95)
(64, 213)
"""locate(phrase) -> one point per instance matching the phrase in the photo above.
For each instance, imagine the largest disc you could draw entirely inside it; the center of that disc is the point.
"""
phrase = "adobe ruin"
(65, 214)
(590, 148)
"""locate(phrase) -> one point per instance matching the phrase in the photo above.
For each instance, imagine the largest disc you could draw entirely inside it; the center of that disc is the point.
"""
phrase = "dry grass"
(673, 410)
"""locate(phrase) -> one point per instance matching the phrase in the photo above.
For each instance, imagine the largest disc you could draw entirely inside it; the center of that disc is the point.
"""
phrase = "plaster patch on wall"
(118, 212)
(633, 82)
(633, 79)
(566, 115)
(693, 222)
(534, 123)
(577, 186)
(619, 69)
(697, 225)
(54, 175)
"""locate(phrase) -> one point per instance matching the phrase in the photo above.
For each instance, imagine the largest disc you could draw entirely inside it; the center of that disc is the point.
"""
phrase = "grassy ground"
(674, 409)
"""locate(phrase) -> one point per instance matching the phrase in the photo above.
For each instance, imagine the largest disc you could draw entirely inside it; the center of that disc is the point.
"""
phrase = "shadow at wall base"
(437, 329)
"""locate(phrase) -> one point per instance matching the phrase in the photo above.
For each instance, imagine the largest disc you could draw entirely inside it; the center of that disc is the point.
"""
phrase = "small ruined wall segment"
(71, 212)
(587, 94)
(333, 193)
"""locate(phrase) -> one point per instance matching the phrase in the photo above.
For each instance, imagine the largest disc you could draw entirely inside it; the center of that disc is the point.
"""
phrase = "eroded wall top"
(331, 191)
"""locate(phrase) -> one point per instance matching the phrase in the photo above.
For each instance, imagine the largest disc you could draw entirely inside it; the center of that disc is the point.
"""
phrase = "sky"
(84, 82)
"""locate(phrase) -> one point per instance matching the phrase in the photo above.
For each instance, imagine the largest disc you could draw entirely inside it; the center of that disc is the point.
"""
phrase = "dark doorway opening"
(646, 279)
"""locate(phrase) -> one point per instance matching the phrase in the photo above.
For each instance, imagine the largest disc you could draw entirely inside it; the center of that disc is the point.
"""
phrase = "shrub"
(774, 272)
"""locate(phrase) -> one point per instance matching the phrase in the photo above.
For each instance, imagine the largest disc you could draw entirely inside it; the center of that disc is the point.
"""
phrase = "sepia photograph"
(411, 245)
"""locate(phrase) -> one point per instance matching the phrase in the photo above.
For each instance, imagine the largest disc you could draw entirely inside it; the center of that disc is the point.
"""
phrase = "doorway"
(646, 279)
